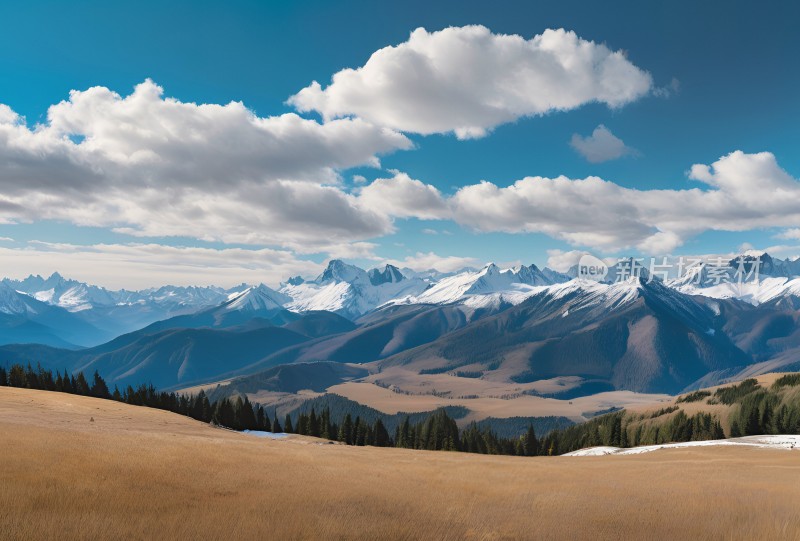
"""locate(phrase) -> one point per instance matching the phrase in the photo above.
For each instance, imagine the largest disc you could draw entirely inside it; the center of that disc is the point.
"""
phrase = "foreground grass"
(137, 473)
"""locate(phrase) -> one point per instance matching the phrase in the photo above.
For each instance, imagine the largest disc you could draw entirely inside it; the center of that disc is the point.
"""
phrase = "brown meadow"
(81, 468)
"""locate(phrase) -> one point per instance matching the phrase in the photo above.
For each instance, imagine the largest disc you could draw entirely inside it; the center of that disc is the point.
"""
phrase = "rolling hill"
(69, 472)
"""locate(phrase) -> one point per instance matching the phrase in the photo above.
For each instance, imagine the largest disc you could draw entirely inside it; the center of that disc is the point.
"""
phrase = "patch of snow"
(783, 441)
(268, 435)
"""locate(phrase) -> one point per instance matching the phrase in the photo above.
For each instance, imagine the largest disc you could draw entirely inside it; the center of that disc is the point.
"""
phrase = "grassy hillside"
(81, 468)
(769, 404)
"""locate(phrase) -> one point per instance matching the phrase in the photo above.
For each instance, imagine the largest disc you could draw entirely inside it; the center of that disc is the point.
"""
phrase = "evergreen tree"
(529, 442)
(735, 432)
(99, 388)
(81, 385)
(380, 435)
(262, 420)
(276, 426)
(346, 430)
(287, 424)
(16, 376)
(313, 424)
(3, 377)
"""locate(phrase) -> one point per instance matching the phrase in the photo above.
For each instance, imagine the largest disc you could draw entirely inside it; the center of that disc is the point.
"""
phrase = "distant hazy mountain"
(168, 355)
(513, 326)
(112, 313)
(23, 319)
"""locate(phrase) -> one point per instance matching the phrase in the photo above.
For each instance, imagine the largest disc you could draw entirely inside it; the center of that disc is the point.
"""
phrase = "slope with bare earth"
(138, 473)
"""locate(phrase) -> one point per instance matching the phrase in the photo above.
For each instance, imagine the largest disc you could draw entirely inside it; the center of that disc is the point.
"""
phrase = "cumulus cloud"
(136, 266)
(154, 166)
(562, 261)
(404, 197)
(742, 192)
(468, 80)
(600, 146)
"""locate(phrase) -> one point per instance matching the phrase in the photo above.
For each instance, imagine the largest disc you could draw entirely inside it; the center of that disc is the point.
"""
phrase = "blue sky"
(724, 78)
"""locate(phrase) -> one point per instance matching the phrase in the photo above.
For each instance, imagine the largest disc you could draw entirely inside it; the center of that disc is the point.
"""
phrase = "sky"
(213, 143)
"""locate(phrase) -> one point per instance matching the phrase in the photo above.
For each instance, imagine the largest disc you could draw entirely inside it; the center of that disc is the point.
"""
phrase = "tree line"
(435, 433)
(756, 410)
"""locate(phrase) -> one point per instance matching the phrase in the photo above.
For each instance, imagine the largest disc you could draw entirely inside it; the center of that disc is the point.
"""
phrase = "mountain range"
(489, 332)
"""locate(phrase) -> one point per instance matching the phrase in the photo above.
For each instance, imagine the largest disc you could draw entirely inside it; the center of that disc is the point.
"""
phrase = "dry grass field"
(81, 468)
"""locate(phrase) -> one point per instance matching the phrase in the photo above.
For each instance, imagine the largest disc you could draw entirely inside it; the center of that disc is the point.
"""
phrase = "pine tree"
(735, 432)
(380, 435)
(346, 430)
(262, 420)
(16, 376)
(276, 426)
(81, 385)
(3, 377)
(313, 424)
(753, 425)
(530, 443)
(302, 424)
(99, 388)
(287, 424)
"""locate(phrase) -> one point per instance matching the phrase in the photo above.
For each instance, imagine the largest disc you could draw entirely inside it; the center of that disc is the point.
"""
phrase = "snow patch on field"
(268, 435)
(762, 442)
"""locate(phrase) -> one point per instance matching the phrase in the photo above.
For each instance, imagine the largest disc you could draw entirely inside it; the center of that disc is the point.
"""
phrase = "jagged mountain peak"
(389, 275)
(339, 271)
(256, 298)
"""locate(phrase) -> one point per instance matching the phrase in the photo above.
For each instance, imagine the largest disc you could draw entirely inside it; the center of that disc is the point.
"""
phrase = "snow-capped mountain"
(77, 296)
(26, 319)
(754, 277)
(389, 275)
(256, 299)
(14, 303)
(489, 286)
(351, 291)
(69, 294)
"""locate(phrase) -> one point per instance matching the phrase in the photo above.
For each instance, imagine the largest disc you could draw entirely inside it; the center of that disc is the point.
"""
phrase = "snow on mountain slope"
(256, 299)
(766, 289)
(489, 286)
(351, 291)
(13, 302)
(78, 296)
(59, 291)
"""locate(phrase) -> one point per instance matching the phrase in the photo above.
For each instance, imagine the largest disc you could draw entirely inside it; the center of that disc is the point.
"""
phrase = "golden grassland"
(138, 473)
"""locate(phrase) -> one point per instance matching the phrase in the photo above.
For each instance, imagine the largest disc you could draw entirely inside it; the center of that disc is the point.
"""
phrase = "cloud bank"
(741, 192)
(154, 166)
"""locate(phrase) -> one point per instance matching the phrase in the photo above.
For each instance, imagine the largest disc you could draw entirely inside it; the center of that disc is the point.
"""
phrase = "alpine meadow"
(423, 270)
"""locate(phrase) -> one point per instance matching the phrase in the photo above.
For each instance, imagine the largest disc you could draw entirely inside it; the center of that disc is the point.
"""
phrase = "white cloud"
(600, 146)
(403, 197)
(422, 261)
(743, 192)
(468, 80)
(790, 234)
(155, 166)
(562, 261)
(136, 266)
